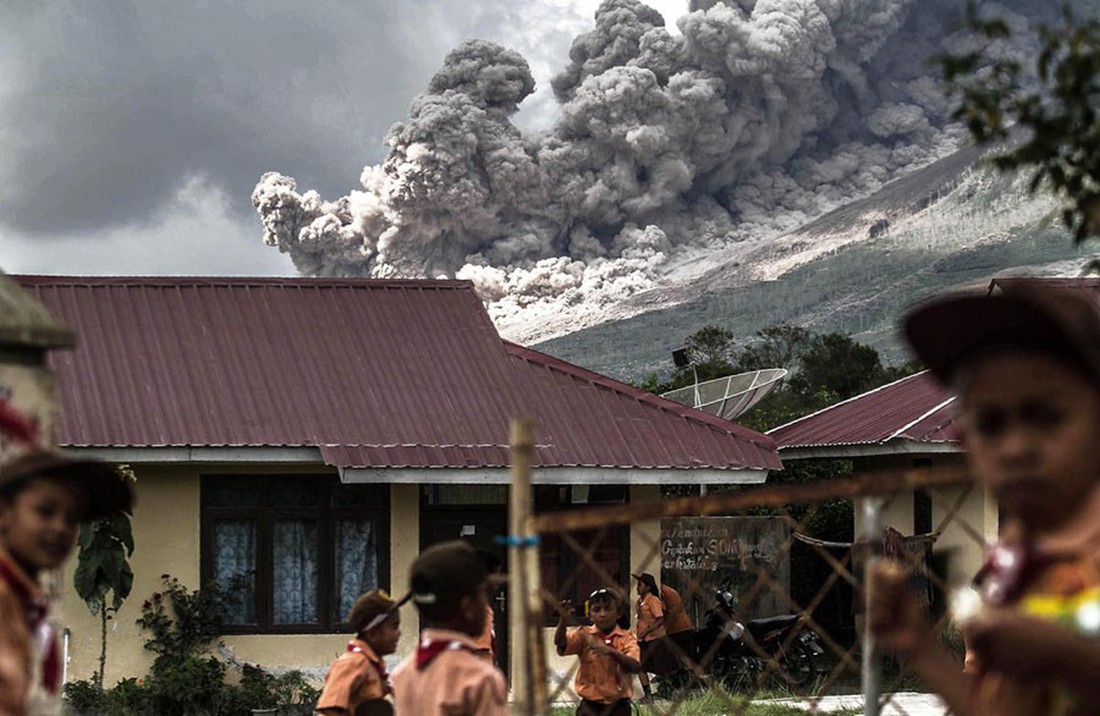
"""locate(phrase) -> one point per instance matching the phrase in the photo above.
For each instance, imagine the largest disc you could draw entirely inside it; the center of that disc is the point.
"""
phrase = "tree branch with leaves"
(102, 569)
(1053, 106)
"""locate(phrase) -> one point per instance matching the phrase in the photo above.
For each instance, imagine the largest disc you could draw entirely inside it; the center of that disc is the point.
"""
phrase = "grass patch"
(716, 702)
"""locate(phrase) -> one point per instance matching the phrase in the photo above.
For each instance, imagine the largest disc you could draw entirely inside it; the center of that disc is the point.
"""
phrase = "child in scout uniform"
(1026, 366)
(357, 683)
(44, 496)
(650, 628)
(608, 656)
(679, 630)
(446, 675)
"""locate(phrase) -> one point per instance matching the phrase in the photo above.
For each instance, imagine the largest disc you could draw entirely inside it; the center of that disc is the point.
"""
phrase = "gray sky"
(132, 134)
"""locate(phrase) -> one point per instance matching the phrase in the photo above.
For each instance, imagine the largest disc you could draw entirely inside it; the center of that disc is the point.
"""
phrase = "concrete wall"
(897, 512)
(966, 517)
(974, 520)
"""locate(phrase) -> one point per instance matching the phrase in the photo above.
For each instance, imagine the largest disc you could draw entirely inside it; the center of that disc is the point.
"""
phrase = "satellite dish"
(730, 396)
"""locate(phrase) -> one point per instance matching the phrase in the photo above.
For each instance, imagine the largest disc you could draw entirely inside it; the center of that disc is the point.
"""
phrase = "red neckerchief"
(378, 662)
(35, 609)
(16, 424)
(428, 649)
(1007, 570)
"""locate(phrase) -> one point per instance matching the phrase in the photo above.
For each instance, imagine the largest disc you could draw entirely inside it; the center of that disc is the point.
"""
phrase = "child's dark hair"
(605, 596)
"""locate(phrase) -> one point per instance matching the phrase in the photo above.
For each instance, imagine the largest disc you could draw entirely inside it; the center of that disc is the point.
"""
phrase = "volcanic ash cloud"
(757, 117)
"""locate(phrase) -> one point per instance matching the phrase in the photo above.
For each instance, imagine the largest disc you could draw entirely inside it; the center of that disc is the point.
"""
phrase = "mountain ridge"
(854, 270)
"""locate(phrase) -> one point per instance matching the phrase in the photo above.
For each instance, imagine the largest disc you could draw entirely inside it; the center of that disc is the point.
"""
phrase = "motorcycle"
(750, 652)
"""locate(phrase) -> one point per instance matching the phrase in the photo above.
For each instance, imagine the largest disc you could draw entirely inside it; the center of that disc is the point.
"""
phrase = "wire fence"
(775, 610)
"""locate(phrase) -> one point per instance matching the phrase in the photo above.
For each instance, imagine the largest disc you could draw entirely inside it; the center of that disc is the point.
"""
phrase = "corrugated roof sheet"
(374, 373)
(916, 409)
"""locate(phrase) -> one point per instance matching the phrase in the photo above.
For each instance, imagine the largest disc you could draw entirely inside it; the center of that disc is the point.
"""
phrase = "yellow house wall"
(404, 546)
(166, 534)
(166, 539)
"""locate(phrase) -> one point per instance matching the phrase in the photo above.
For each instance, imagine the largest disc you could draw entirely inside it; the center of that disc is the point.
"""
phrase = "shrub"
(185, 678)
(85, 697)
(182, 623)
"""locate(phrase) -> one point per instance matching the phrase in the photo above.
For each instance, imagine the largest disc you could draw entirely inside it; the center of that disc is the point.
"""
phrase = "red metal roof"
(374, 373)
(915, 409)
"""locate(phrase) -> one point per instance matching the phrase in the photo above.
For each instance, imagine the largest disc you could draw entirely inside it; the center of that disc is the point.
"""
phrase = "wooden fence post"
(524, 595)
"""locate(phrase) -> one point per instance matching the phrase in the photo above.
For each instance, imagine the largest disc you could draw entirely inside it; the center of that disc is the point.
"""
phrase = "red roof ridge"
(419, 444)
(932, 411)
(684, 411)
(834, 406)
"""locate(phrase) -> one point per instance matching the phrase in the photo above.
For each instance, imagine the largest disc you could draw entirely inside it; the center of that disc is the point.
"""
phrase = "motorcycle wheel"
(799, 667)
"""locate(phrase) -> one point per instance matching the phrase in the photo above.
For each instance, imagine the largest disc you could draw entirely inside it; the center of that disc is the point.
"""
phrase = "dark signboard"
(700, 554)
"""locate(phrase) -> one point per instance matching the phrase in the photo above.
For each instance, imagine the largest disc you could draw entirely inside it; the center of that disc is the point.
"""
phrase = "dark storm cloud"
(108, 108)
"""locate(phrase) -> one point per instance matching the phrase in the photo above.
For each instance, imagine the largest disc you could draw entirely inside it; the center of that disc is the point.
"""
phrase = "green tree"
(710, 350)
(835, 367)
(710, 345)
(1054, 103)
(775, 347)
(102, 569)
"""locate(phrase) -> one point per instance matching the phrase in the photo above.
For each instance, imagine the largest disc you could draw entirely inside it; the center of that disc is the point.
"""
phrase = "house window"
(294, 551)
(569, 573)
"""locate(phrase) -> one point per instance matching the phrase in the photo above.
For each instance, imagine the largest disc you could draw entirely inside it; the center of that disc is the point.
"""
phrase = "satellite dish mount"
(727, 397)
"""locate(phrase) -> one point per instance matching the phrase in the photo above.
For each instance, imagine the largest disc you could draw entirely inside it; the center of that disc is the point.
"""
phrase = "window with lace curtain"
(294, 551)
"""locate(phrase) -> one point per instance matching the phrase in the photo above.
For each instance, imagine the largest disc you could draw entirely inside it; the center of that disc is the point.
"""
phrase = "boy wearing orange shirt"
(608, 656)
(357, 683)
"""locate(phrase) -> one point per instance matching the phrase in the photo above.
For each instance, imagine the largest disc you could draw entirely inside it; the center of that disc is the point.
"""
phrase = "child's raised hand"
(895, 616)
(565, 609)
(597, 645)
(1015, 644)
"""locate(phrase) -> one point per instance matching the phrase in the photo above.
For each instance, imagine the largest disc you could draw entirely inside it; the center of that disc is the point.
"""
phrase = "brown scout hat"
(446, 572)
(108, 490)
(370, 610)
(1061, 321)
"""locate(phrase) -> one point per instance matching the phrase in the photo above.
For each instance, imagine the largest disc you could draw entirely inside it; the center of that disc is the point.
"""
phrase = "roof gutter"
(554, 476)
(894, 447)
(311, 456)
